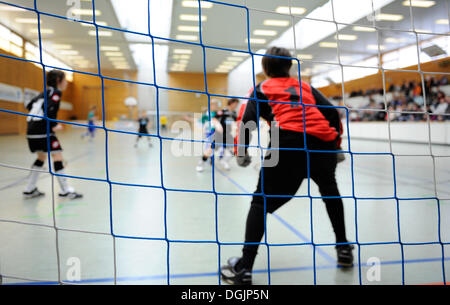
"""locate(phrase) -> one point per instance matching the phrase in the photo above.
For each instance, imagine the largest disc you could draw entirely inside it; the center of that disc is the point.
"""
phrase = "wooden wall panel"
(9, 123)
(20, 74)
(191, 102)
(27, 75)
(87, 92)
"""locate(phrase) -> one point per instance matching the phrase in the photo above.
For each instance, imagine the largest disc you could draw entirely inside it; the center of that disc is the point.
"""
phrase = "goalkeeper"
(280, 101)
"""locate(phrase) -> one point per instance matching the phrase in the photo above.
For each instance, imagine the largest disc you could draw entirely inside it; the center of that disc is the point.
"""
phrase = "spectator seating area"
(404, 102)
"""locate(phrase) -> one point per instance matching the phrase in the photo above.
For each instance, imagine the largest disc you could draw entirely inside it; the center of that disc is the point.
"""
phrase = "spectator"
(393, 115)
(380, 115)
(442, 106)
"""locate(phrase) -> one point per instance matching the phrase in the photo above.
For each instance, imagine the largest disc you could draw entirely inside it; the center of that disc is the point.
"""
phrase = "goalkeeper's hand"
(244, 161)
(57, 127)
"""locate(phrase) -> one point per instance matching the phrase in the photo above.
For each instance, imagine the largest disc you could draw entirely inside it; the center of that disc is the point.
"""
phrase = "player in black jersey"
(143, 122)
(37, 135)
(227, 117)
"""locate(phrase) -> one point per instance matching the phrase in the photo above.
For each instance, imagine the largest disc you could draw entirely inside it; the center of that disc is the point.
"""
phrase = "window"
(32, 53)
(11, 42)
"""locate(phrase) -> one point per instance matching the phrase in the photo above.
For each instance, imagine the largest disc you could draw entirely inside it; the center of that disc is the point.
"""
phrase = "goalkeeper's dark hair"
(54, 77)
(276, 66)
(232, 101)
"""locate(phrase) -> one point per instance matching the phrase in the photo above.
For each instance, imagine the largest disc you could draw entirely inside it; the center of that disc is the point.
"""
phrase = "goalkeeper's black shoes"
(345, 255)
(232, 276)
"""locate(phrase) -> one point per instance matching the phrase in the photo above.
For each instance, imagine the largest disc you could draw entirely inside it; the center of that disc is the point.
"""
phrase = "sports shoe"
(200, 166)
(71, 195)
(33, 194)
(340, 156)
(233, 277)
(225, 165)
(345, 255)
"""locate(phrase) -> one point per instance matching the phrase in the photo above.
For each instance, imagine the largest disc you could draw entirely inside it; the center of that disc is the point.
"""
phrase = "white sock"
(227, 155)
(64, 185)
(32, 180)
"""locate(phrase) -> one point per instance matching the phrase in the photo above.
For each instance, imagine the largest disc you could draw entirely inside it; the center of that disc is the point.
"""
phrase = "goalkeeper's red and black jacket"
(284, 107)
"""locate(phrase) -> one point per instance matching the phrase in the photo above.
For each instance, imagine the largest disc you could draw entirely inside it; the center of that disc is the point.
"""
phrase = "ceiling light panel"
(181, 56)
(43, 31)
(187, 37)
(240, 54)
(442, 21)
(375, 47)
(256, 40)
(346, 37)
(363, 29)
(275, 22)
(388, 17)
(117, 59)
(27, 20)
(394, 40)
(182, 51)
(189, 17)
(304, 56)
(114, 54)
(100, 33)
(265, 32)
(290, 10)
(109, 48)
(188, 28)
(419, 3)
(194, 4)
(86, 12)
(102, 23)
(326, 44)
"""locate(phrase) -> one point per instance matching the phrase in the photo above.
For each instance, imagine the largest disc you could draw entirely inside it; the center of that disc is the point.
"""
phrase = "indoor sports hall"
(117, 189)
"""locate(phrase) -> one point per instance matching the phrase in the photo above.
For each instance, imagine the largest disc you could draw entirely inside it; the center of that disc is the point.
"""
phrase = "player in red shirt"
(280, 101)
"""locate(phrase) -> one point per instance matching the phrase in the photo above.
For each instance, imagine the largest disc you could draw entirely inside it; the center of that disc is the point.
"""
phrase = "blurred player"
(209, 131)
(90, 119)
(279, 103)
(163, 120)
(143, 122)
(37, 135)
(227, 117)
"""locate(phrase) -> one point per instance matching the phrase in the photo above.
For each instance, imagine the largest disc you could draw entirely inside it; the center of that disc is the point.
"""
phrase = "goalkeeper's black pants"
(284, 180)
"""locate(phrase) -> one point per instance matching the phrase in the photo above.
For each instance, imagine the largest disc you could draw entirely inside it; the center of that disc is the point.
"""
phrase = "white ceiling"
(352, 51)
(226, 27)
(68, 32)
